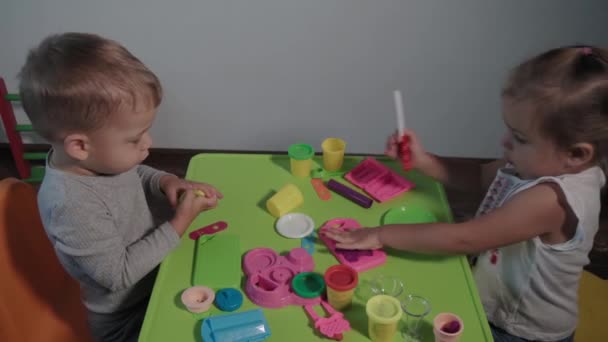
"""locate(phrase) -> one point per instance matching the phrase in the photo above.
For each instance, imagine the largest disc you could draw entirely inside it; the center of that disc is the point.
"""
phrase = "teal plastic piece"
(228, 299)
(250, 326)
(308, 243)
(217, 262)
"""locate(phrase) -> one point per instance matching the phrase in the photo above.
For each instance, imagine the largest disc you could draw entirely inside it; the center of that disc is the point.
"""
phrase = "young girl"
(536, 224)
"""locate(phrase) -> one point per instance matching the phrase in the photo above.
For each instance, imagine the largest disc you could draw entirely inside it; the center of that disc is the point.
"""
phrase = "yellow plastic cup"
(333, 153)
(300, 159)
(383, 315)
(340, 281)
(285, 200)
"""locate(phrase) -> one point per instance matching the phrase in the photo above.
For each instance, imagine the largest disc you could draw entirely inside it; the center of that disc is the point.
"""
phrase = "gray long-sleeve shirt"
(105, 234)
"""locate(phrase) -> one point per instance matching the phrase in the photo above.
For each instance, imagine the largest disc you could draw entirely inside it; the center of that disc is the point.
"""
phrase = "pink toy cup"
(447, 327)
(198, 298)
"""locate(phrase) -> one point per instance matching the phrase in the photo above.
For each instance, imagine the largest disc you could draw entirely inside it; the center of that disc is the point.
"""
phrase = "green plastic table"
(247, 181)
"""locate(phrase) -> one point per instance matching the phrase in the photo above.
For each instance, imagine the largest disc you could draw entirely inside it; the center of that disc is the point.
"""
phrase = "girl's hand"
(364, 238)
(418, 158)
(173, 186)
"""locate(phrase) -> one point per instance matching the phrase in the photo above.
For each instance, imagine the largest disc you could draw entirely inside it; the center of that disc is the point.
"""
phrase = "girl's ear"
(579, 155)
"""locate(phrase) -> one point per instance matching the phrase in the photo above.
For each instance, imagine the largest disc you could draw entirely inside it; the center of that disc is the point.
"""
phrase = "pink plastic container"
(269, 277)
(358, 260)
(447, 327)
(379, 181)
(198, 298)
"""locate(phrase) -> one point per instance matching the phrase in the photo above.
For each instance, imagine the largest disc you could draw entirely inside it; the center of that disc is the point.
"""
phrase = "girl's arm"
(464, 175)
(537, 211)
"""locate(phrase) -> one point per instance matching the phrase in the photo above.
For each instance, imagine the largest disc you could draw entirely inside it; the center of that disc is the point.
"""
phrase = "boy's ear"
(580, 154)
(77, 146)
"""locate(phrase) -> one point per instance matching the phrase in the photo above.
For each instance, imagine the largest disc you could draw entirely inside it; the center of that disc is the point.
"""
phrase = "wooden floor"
(463, 205)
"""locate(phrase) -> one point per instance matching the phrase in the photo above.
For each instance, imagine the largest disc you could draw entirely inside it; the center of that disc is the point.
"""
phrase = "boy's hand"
(173, 186)
(364, 238)
(419, 156)
(190, 205)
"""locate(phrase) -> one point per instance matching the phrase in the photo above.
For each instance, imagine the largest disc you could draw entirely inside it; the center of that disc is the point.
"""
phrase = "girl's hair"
(567, 90)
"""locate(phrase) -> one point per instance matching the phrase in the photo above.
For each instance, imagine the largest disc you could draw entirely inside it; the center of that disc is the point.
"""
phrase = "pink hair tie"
(586, 51)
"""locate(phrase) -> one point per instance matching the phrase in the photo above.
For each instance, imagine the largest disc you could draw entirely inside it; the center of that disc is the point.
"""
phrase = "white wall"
(262, 74)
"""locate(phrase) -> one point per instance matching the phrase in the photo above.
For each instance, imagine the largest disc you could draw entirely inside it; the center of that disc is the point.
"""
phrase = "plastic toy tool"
(269, 277)
(249, 326)
(378, 180)
(308, 243)
(404, 140)
(405, 153)
(208, 230)
(332, 326)
(350, 194)
(359, 260)
(216, 262)
(320, 189)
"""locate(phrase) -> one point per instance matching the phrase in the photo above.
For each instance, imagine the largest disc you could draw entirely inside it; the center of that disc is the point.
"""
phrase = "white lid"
(295, 225)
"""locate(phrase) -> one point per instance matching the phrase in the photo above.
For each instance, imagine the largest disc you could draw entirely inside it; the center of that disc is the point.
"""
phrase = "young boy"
(95, 102)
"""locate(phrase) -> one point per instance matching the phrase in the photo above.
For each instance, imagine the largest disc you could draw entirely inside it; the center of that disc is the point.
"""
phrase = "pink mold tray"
(378, 180)
(269, 277)
(359, 260)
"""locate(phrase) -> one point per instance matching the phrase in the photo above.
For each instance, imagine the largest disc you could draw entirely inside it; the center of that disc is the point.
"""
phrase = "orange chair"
(39, 301)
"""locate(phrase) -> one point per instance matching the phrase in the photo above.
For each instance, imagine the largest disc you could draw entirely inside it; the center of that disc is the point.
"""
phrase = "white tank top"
(530, 289)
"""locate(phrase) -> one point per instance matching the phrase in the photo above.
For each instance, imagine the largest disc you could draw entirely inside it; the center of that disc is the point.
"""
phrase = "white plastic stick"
(399, 112)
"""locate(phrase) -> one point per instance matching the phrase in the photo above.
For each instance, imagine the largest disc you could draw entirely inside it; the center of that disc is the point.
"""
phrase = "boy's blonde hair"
(567, 90)
(73, 82)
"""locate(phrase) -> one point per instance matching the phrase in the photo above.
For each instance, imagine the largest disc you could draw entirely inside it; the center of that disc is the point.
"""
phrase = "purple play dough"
(451, 327)
(353, 254)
